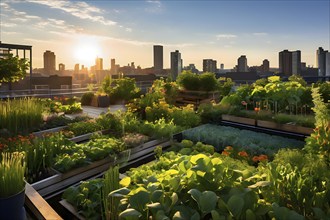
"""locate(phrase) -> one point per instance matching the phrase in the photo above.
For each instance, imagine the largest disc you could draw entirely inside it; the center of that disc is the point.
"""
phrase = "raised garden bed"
(248, 121)
(285, 127)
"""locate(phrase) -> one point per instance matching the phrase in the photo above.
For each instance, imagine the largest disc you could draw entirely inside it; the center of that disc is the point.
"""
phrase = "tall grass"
(111, 183)
(12, 168)
(20, 116)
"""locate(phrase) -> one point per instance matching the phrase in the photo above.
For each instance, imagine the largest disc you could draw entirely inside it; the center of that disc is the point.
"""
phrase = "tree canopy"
(12, 68)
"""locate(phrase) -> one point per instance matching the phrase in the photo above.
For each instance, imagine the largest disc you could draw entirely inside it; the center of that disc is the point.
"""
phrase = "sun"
(86, 51)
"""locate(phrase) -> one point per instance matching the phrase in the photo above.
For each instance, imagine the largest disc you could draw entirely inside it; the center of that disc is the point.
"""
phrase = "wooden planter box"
(100, 101)
(285, 127)
(248, 121)
(52, 130)
(85, 137)
(62, 180)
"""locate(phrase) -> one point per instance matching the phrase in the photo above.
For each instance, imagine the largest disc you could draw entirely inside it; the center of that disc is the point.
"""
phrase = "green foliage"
(225, 86)
(20, 116)
(111, 183)
(252, 142)
(109, 121)
(86, 197)
(208, 82)
(12, 69)
(84, 127)
(122, 89)
(188, 80)
(100, 148)
(86, 98)
(319, 141)
(12, 169)
(65, 162)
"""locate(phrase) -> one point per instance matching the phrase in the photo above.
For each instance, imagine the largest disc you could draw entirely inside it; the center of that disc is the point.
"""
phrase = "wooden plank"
(38, 206)
(52, 130)
(71, 209)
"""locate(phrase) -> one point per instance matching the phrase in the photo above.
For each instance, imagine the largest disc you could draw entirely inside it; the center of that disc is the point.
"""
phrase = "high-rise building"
(113, 66)
(265, 66)
(98, 64)
(176, 64)
(49, 62)
(209, 65)
(158, 58)
(285, 62)
(76, 68)
(290, 62)
(327, 64)
(242, 64)
(222, 66)
(61, 67)
(296, 62)
(321, 61)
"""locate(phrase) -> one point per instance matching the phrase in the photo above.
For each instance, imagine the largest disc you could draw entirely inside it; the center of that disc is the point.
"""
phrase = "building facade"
(242, 64)
(158, 58)
(290, 62)
(176, 64)
(49, 62)
(209, 65)
(321, 61)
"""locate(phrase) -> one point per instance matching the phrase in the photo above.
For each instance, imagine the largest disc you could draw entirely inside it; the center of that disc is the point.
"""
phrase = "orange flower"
(229, 148)
(225, 153)
(243, 154)
(263, 157)
(255, 159)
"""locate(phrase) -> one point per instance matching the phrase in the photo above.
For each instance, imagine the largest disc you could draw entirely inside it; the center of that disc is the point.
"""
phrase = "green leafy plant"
(111, 183)
(86, 98)
(20, 116)
(84, 127)
(12, 169)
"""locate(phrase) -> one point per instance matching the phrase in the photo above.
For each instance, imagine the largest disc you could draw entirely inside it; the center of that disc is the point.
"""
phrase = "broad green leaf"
(216, 161)
(125, 181)
(139, 200)
(195, 216)
(195, 194)
(235, 205)
(130, 214)
(161, 216)
(223, 206)
(216, 216)
(175, 183)
(260, 184)
(171, 172)
(156, 195)
(194, 158)
(250, 215)
(207, 201)
(119, 192)
(174, 198)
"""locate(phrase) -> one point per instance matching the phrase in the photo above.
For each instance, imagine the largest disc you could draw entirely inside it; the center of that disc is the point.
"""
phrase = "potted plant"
(12, 186)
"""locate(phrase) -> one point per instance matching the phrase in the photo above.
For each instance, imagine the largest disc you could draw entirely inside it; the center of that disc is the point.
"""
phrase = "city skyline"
(80, 31)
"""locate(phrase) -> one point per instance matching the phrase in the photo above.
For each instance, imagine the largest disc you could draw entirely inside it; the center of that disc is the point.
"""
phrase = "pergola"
(6, 48)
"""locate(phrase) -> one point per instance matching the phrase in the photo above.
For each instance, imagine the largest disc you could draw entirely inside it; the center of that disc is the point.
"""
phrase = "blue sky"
(78, 31)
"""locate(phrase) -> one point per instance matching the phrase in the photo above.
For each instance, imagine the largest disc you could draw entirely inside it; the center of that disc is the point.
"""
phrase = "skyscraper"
(290, 62)
(158, 58)
(321, 61)
(327, 64)
(98, 64)
(61, 67)
(265, 66)
(209, 65)
(296, 62)
(49, 62)
(242, 64)
(176, 64)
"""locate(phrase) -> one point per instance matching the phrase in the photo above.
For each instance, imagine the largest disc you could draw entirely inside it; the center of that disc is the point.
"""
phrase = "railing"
(51, 93)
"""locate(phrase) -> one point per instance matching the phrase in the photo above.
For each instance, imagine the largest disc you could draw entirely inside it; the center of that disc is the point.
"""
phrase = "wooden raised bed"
(62, 180)
(285, 127)
(85, 137)
(248, 121)
(52, 130)
(37, 205)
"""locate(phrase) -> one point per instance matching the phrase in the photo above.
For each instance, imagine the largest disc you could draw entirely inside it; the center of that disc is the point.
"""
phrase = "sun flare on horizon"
(86, 51)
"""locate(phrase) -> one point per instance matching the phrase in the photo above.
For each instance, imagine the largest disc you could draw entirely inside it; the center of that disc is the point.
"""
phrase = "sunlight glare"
(87, 50)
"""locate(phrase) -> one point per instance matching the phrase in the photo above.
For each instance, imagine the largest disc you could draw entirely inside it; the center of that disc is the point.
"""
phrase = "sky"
(80, 31)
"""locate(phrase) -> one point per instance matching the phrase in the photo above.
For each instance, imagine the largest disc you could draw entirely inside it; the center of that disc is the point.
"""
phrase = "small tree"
(12, 69)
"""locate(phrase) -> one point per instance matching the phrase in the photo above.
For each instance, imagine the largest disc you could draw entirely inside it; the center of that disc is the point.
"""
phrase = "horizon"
(77, 31)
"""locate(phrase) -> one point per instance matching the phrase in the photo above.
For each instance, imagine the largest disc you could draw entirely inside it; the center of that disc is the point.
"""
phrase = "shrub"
(208, 82)
(188, 80)
(86, 99)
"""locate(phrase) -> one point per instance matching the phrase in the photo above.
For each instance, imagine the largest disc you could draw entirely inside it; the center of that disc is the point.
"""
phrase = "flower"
(255, 159)
(225, 153)
(228, 148)
(243, 154)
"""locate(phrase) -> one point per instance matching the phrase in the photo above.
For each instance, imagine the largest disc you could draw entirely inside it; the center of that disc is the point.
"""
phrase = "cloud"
(260, 34)
(8, 25)
(225, 36)
(78, 9)
(154, 6)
